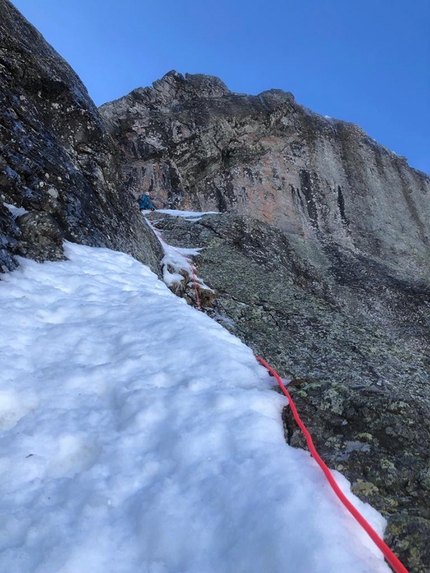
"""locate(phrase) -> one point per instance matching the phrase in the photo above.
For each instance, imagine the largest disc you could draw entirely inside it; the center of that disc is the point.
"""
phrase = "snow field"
(139, 436)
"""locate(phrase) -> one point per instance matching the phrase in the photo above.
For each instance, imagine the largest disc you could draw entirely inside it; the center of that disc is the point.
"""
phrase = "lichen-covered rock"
(56, 158)
(409, 538)
(354, 340)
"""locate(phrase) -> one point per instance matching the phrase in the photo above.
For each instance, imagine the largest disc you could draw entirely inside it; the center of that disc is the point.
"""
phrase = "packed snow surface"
(190, 215)
(139, 436)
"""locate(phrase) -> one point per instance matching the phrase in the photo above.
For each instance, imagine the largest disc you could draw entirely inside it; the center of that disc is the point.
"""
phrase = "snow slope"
(139, 436)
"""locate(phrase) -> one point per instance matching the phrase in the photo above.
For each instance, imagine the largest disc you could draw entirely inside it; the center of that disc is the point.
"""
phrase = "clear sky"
(365, 61)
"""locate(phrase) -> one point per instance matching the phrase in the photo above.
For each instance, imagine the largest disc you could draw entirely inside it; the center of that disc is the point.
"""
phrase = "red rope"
(388, 554)
(193, 270)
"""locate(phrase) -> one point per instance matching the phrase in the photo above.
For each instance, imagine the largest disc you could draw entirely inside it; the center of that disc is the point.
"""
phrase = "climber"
(145, 202)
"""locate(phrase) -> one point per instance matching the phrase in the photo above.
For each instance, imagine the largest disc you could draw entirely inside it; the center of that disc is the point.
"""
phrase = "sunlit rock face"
(195, 145)
(58, 164)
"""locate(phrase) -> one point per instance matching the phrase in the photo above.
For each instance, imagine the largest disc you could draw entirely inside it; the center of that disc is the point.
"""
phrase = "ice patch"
(16, 211)
(176, 263)
(189, 215)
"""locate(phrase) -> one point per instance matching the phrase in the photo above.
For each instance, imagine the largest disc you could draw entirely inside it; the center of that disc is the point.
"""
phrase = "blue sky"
(365, 61)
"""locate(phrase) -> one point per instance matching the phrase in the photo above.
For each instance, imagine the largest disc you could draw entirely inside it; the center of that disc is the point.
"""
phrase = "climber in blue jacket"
(145, 202)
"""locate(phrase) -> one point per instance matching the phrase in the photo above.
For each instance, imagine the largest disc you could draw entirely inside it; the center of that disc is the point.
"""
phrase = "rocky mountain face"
(319, 261)
(194, 144)
(58, 164)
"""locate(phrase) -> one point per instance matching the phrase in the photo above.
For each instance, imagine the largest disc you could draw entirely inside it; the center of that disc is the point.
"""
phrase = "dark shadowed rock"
(57, 160)
(41, 236)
